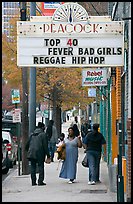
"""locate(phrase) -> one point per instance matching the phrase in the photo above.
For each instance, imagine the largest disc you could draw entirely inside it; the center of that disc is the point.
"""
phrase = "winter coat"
(37, 146)
(77, 123)
(85, 128)
(54, 137)
(76, 130)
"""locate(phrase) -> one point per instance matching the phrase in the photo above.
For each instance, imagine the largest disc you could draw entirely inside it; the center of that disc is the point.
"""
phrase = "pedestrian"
(76, 130)
(52, 135)
(76, 122)
(85, 129)
(93, 143)
(37, 148)
(68, 117)
(69, 165)
(60, 140)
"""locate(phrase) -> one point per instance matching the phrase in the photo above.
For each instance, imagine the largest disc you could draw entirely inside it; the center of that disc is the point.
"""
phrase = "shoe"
(52, 160)
(34, 184)
(91, 182)
(70, 182)
(41, 184)
(98, 181)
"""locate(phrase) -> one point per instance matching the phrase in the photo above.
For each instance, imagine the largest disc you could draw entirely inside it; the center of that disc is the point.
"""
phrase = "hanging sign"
(94, 77)
(92, 92)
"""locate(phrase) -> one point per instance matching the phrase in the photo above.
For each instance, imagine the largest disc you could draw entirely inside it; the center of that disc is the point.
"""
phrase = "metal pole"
(19, 152)
(25, 131)
(120, 149)
(120, 182)
(18, 139)
(32, 90)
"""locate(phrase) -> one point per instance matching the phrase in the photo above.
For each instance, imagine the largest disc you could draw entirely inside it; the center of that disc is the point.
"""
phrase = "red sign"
(48, 8)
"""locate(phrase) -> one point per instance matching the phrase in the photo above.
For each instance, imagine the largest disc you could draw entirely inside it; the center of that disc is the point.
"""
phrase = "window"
(6, 25)
(5, 4)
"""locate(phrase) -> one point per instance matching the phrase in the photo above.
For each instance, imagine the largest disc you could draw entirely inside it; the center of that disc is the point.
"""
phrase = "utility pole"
(25, 132)
(32, 94)
(120, 178)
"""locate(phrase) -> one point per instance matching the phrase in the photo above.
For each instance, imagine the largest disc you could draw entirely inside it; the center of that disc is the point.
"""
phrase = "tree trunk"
(58, 120)
(56, 111)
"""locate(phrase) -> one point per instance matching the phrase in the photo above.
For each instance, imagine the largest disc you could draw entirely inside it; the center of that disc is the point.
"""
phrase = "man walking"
(93, 144)
(52, 136)
(37, 147)
(76, 122)
(85, 129)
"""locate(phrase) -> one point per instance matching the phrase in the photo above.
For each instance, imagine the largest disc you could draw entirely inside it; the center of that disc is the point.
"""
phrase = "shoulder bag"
(85, 161)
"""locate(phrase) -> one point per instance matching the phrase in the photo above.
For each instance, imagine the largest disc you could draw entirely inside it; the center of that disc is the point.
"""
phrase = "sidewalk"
(18, 188)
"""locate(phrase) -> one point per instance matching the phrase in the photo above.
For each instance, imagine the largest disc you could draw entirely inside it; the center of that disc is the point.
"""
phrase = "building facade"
(121, 83)
(9, 10)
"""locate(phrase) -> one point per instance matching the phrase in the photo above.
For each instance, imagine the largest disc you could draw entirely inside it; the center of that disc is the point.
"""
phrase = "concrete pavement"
(18, 188)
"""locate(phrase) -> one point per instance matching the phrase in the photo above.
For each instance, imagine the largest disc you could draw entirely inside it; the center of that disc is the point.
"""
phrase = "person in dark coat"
(93, 143)
(52, 135)
(85, 129)
(76, 130)
(76, 122)
(37, 147)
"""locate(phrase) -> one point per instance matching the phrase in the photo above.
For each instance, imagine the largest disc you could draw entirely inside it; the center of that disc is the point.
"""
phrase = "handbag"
(61, 151)
(85, 161)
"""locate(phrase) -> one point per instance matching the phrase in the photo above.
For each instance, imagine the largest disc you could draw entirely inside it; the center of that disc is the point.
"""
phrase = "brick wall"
(129, 161)
(118, 93)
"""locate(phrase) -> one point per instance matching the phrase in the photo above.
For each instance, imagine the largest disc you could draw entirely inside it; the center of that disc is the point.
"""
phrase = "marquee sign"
(70, 40)
(69, 51)
(92, 29)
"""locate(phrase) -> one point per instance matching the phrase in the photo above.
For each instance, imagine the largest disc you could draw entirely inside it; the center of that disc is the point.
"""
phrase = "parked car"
(11, 147)
(8, 116)
(15, 130)
(5, 158)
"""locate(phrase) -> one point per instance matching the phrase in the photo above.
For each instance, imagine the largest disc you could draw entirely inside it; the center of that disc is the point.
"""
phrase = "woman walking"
(69, 166)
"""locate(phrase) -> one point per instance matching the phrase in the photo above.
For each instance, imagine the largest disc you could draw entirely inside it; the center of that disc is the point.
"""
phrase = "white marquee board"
(70, 44)
(59, 52)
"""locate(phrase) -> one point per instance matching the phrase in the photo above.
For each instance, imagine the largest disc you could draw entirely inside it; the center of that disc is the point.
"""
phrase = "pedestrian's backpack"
(61, 152)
